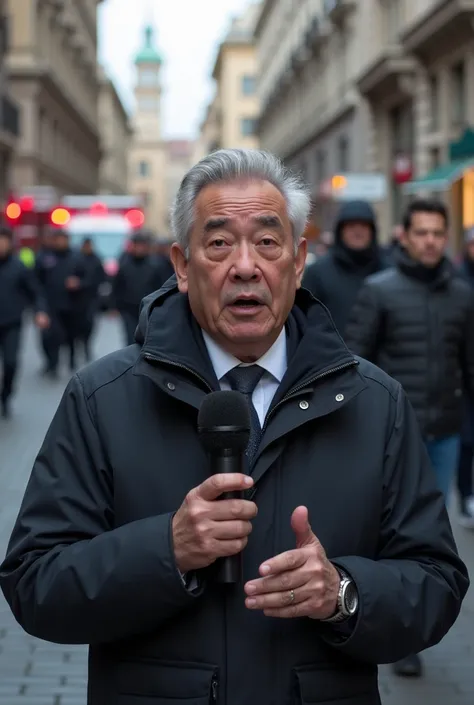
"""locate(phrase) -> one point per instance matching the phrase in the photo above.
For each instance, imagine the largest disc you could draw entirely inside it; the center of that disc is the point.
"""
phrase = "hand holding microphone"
(214, 521)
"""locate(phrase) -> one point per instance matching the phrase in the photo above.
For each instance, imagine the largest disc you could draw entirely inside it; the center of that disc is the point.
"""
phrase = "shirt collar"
(274, 361)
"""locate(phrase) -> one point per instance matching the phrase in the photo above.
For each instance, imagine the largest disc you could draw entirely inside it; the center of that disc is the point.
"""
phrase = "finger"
(289, 580)
(278, 600)
(216, 485)
(290, 560)
(224, 530)
(230, 547)
(302, 609)
(228, 509)
(302, 528)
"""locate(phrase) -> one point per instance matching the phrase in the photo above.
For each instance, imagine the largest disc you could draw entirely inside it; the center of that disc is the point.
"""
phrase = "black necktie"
(244, 379)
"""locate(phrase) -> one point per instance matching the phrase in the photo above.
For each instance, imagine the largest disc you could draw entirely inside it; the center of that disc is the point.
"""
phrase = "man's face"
(357, 235)
(426, 238)
(61, 242)
(5, 246)
(242, 272)
(140, 249)
(87, 248)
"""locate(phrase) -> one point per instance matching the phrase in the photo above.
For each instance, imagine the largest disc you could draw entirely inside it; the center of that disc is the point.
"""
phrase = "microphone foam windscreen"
(219, 413)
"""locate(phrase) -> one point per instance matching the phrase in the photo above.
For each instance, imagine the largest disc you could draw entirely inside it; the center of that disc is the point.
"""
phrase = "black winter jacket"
(418, 326)
(336, 278)
(52, 270)
(18, 289)
(91, 555)
(136, 278)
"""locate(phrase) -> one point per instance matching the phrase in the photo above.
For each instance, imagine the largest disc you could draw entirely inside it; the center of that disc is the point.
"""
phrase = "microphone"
(224, 430)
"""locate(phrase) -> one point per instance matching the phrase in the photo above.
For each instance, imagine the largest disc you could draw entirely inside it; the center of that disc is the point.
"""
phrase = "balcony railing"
(9, 116)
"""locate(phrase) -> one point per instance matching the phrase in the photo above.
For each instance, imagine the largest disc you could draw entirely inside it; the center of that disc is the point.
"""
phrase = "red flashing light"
(99, 209)
(13, 211)
(60, 217)
(27, 204)
(135, 217)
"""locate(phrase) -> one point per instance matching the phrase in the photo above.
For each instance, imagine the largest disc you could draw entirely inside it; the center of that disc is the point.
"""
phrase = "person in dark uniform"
(62, 273)
(139, 274)
(89, 299)
(18, 289)
(336, 278)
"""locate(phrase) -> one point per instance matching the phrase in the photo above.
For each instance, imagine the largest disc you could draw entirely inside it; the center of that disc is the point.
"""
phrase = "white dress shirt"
(274, 362)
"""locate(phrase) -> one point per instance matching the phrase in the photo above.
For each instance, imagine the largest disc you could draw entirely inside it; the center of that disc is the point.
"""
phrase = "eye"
(267, 241)
(218, 242)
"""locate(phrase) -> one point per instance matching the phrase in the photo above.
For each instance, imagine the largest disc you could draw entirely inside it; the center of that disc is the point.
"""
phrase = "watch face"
(351, 598)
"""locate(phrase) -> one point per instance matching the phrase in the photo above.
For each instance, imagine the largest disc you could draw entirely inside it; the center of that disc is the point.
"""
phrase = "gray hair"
(227, 165)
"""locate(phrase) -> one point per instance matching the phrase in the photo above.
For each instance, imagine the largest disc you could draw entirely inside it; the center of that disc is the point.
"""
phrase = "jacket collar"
(170, 336)
(435, 278)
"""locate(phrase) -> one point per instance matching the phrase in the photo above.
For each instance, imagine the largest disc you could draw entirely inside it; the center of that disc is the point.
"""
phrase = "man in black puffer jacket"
(18, 289)
(336, 278)
(416, 322)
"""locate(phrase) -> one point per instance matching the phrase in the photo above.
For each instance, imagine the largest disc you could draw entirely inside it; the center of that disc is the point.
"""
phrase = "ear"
(300, 261)
(180, 264)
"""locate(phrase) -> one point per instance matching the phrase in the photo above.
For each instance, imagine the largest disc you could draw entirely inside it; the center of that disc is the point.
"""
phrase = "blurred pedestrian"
(139, 274)
(336, 278)
(89, 297)
(465, 481)
(18, 290)
(62, 274)
(416, 321)
(350, 560)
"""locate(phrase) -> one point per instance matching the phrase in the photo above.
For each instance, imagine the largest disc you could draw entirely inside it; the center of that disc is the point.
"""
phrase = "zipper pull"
(214, 689)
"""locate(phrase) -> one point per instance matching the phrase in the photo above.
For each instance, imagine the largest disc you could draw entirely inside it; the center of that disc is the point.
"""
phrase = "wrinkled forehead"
(240, 201)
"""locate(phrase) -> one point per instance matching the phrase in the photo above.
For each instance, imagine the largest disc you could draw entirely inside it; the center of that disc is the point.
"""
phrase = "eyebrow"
(215, 224)
(268, 221)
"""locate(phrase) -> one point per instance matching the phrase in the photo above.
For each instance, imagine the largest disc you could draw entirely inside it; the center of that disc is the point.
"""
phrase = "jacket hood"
(169, 333)
(355, 211)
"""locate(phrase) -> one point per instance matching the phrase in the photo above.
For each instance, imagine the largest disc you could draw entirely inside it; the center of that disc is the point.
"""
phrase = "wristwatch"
(347, 600)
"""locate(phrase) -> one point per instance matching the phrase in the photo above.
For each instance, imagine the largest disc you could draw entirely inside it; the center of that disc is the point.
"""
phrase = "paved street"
(33, 672)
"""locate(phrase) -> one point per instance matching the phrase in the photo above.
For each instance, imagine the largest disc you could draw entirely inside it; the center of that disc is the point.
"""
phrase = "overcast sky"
(188, 34)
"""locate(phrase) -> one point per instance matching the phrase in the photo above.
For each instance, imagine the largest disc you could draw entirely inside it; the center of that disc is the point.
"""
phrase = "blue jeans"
(444, 454)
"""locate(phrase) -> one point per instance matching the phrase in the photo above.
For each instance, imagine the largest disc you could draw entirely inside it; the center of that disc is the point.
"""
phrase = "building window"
(435, 157)
(249, 85)
(248, 127)
(343, 149)
(458, 93)
(148, 78)
(144, 168)
(434, 103)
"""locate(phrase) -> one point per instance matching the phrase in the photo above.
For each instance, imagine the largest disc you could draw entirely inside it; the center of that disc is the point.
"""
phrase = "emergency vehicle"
(108, 220)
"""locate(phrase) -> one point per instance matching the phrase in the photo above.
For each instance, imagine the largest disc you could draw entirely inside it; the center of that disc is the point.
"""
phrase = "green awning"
(441, 178)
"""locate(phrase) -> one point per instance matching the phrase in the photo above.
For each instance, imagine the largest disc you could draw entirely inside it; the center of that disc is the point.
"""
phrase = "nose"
(245, 267)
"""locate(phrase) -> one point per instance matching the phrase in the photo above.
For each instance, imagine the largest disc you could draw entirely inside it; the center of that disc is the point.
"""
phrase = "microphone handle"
(228, 570)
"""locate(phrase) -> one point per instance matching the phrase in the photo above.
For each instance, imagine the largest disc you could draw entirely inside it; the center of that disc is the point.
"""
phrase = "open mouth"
(246, 303)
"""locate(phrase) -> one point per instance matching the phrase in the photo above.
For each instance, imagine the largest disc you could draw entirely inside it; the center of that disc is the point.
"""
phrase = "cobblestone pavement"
(33, 672)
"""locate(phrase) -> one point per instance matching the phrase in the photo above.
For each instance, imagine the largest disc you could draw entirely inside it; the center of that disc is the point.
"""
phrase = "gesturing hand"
(205, 529)
(298, 583)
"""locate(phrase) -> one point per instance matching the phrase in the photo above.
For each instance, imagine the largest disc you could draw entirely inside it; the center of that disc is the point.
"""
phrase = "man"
(62, 274)
(417, 322)
(121, 524)
(464, 474)
(89, 299)
(336, 278)
(18, 289)
(139, 274)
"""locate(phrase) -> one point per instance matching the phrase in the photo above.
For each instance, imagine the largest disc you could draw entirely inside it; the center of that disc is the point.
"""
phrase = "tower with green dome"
(147, 151)
(148, 63)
